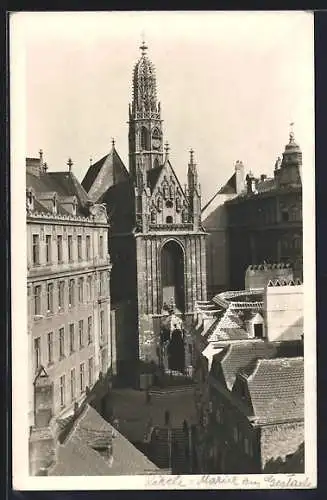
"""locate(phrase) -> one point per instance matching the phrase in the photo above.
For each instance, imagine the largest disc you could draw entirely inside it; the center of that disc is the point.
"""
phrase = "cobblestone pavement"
(133, 411)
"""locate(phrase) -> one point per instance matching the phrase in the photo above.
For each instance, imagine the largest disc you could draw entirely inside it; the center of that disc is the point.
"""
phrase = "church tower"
(156, 242)
(145, 124)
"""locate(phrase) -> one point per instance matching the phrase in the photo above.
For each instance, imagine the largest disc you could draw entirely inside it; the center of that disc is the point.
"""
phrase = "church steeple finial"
(113, 143)
(70, 164)
(291, 134)
(143, 46)
(167, 148)
(191, 156)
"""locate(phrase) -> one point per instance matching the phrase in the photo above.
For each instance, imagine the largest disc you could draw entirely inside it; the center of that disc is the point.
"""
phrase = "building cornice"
(43, 218)
(46, 274)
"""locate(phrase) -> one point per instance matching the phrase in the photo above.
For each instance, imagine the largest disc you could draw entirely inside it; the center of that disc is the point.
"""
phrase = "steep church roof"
(119, 199)
(228, 188)
(153, 176)
(103, 174)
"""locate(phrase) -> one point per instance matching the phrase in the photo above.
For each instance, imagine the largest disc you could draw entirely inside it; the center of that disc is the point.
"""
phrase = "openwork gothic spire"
(144, 87)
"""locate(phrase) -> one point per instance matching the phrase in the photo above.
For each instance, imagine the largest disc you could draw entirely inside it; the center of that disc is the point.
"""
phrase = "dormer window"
(30, 199)
(74, 207)
(54, 205)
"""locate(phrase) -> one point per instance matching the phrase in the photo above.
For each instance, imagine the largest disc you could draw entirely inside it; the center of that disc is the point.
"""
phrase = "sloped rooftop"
(276, 389)
(238, 356)
(77, 455)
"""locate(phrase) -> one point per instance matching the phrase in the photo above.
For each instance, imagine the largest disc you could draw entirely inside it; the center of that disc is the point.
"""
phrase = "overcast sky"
(229, 86)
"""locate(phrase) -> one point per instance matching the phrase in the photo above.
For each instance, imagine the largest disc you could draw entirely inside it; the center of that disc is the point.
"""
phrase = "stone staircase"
(169, 449)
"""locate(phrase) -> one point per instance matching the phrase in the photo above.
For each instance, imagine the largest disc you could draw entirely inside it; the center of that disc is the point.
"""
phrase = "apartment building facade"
(68, 275)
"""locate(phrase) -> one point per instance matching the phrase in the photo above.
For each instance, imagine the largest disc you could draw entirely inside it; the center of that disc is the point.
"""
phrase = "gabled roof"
(159, 172)
(237, 357)
(119, 199)
(228, 188)
(153, 176)
(78, 455)
(103, 174)
(276, 389)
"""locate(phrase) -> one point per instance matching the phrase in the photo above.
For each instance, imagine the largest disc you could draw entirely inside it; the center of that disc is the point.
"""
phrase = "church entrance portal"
(175, 351)
(172, 275)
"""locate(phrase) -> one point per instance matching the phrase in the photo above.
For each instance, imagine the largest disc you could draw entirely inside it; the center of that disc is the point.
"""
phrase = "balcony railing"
(187, 226)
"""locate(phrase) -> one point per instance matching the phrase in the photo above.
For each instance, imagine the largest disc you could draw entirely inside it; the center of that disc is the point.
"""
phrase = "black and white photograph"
(163, 250)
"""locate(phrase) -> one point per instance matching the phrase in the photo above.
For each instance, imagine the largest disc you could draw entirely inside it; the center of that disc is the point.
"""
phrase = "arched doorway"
(175, 352)
(172, 275)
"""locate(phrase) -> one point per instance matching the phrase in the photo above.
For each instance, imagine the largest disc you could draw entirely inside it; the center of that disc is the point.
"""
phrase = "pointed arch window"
(156, 134)
(145, 139)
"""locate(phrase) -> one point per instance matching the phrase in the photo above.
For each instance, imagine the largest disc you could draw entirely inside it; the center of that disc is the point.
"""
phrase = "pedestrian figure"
(147, 396)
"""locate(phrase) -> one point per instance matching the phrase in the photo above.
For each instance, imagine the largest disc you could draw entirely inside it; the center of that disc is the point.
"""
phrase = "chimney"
(251, 183)
(36, 166)
(239, 174)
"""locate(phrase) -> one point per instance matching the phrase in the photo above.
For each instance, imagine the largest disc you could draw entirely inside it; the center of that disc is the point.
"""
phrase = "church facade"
(156, 238)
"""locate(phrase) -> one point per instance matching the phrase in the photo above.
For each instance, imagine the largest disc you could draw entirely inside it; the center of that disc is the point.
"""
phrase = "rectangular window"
(71, 292)
(70, 248)
(80, 290)
(79, 247)
(81, 333)
(89, 330)
(48, 248)
(36, 249)
(50, 297)
(61, 294)
(61, 343)
(89, 288)
(101, 325)
(101, 247)
(72, 384)
(37, 300)
(101, 284)
(50, 348)
(37, 353)
(91, 370)
(62, 391)
(81, 377)
(88, 247)
(71, 338)
(59, 247)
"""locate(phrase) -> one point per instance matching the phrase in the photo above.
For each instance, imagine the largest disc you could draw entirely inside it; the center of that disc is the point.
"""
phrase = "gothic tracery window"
(145, 142)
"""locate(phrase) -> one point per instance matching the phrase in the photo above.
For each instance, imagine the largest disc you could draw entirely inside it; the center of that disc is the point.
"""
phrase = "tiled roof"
(103, 174)
(227, 327)
(237, 357)
(65, 184)
(77, 454)
(276, 389)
